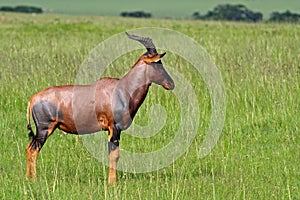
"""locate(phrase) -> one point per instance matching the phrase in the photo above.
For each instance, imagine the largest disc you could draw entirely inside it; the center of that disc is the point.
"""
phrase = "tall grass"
(255, 158)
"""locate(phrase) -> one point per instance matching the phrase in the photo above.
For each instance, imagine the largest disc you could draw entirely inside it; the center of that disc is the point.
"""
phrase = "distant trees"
(239, 12)
(21, 9)
(286, 16)
(226, 12)
(137, 14)
(230, 13)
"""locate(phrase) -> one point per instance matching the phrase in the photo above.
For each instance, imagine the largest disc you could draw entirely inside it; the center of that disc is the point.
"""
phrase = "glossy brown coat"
(108, 104)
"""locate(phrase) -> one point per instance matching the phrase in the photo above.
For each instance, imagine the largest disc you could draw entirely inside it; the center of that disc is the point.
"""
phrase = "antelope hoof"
(112, 180)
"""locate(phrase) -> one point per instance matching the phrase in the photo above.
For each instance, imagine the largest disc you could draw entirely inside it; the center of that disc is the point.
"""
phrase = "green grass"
(257, 156)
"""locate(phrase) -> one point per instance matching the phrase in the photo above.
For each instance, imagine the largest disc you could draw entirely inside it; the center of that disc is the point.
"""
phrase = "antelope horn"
(147, 42)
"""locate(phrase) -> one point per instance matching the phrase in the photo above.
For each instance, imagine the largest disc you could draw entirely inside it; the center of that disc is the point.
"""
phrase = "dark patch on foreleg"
(112, 146)
(113, 139)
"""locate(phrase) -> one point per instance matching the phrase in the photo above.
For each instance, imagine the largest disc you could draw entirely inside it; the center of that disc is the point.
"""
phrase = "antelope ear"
(151, 58)
(162, 55)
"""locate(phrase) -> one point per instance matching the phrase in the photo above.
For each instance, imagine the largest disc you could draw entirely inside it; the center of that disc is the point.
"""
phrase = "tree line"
(240, 12)
(137, 14)
(230, 13)
(286, 16)
(226, 12)
(22, 9)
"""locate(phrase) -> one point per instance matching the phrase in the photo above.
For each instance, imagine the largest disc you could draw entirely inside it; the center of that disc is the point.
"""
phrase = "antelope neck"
(135, 80)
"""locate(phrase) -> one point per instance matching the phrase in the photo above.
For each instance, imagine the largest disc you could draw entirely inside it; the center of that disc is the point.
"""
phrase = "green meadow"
(256, 157)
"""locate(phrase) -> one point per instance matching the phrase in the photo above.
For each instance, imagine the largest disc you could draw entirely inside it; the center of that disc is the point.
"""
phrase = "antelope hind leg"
(31, 159)
(28, 162)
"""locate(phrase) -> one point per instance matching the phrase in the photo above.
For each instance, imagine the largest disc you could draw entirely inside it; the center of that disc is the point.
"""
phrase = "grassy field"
(257, 156)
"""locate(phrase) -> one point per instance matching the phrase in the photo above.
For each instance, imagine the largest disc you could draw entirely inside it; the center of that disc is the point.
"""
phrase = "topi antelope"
(108, 104)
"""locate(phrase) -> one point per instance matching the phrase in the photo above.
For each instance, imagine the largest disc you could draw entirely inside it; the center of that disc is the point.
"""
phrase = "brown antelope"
(108, 104)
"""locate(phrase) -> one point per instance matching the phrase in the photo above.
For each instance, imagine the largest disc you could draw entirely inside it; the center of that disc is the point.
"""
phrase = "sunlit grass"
(255, 158)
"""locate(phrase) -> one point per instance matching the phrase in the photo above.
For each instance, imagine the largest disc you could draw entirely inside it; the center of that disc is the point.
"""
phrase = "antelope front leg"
(113, 157)
(113, 154)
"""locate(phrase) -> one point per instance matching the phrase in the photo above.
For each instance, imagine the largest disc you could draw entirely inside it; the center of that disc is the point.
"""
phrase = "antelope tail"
(29, 112)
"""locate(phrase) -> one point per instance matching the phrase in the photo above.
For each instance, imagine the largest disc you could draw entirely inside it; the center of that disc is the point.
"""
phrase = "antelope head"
(152, 61)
